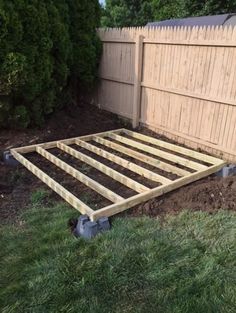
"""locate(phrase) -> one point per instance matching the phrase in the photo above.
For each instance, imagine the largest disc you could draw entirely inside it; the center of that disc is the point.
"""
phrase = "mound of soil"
(208, 194)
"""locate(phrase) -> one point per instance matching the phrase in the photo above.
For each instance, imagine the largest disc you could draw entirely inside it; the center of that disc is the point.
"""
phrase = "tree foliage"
(122, 13)
(45, 46)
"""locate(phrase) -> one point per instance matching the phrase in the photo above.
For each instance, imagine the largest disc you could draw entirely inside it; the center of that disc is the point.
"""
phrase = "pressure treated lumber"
(103, 168)
(157, 152)
(53, 144)
(119, 203)
(102, 190)
(65, 194)
(132, 201)
(142, 157)
(122, 162)
(160, 143)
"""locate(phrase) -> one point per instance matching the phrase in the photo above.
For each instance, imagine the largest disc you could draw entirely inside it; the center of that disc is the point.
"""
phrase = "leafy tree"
(210, 7)
(122, 13)
(45, 45)
(168, 9)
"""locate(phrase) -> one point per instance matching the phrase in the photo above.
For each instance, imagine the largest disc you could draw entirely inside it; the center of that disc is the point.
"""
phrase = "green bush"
(47, 47)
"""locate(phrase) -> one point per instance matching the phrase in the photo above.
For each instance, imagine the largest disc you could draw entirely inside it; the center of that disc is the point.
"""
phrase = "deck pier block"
(91, 229)
(104, 224)
(9, 159)
(88, 229)
(227, 170)
(81, 222)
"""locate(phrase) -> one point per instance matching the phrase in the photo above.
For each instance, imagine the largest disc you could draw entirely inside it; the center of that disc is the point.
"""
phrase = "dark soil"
(208, 194)
(17, 184)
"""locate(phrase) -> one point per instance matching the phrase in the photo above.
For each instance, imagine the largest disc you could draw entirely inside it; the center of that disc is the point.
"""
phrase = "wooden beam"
(122, 162)
(186, 93)
(64, 193)
(160, 153)
(120, 203)
(117, 80)
(142, 157)
(208, 43)
(132, 201)
(102, 190)
(53, 144)
(104, 169)
(160, 143)
(117, 40)
(138, 62)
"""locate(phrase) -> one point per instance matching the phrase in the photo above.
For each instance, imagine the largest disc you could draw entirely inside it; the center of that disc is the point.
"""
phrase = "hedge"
(46, 47)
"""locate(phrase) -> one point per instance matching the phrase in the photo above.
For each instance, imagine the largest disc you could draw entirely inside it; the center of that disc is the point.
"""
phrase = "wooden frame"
(189, 159)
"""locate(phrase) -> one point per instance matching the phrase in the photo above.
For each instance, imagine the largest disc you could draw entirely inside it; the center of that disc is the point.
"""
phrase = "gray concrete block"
(104, 224)
(9, 159)
(88, 229)
(91, 229)
(227, 170)
(81, 222)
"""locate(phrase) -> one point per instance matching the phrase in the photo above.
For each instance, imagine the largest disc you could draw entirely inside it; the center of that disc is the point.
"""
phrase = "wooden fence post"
(137, 79)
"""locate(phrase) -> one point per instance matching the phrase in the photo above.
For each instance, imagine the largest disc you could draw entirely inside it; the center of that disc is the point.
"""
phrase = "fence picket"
(187, 80)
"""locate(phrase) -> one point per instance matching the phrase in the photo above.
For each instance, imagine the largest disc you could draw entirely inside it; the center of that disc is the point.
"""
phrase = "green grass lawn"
(185, 264)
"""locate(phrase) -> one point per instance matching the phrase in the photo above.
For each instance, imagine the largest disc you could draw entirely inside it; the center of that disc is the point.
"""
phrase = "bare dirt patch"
(17, 184)
(208, 194)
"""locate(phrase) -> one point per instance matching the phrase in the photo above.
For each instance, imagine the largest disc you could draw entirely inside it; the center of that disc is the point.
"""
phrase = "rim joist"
(187, 164)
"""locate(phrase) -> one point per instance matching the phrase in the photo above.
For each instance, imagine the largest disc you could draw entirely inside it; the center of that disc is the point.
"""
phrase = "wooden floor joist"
(127, 164)
(103, 168)
(106, 193)
(160, 153)
(184, 151)
(55, 186)
(185, 157)
(142, 157)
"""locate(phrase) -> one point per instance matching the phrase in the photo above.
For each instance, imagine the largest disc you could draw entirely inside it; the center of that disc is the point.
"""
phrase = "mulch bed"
(16, 184)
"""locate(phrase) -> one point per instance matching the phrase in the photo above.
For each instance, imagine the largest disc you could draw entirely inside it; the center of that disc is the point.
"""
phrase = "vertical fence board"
(187, 77)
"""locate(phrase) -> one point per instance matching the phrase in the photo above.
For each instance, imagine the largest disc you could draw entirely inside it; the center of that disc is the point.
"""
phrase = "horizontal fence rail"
(177, 81)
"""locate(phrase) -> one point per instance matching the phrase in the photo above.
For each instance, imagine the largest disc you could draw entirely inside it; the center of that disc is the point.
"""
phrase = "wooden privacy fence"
(180, 82)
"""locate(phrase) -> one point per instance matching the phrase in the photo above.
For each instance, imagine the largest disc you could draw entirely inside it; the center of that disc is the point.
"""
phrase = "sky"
(102, 1)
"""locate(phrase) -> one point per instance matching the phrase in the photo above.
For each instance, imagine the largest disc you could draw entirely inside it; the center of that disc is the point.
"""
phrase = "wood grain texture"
(132, 201)
(137, 80)
(187, 82)
(102, 190)
(55, 186)
(142, 157)
(144, 193)
(122, 162)
(159, 153)
(103, 168)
